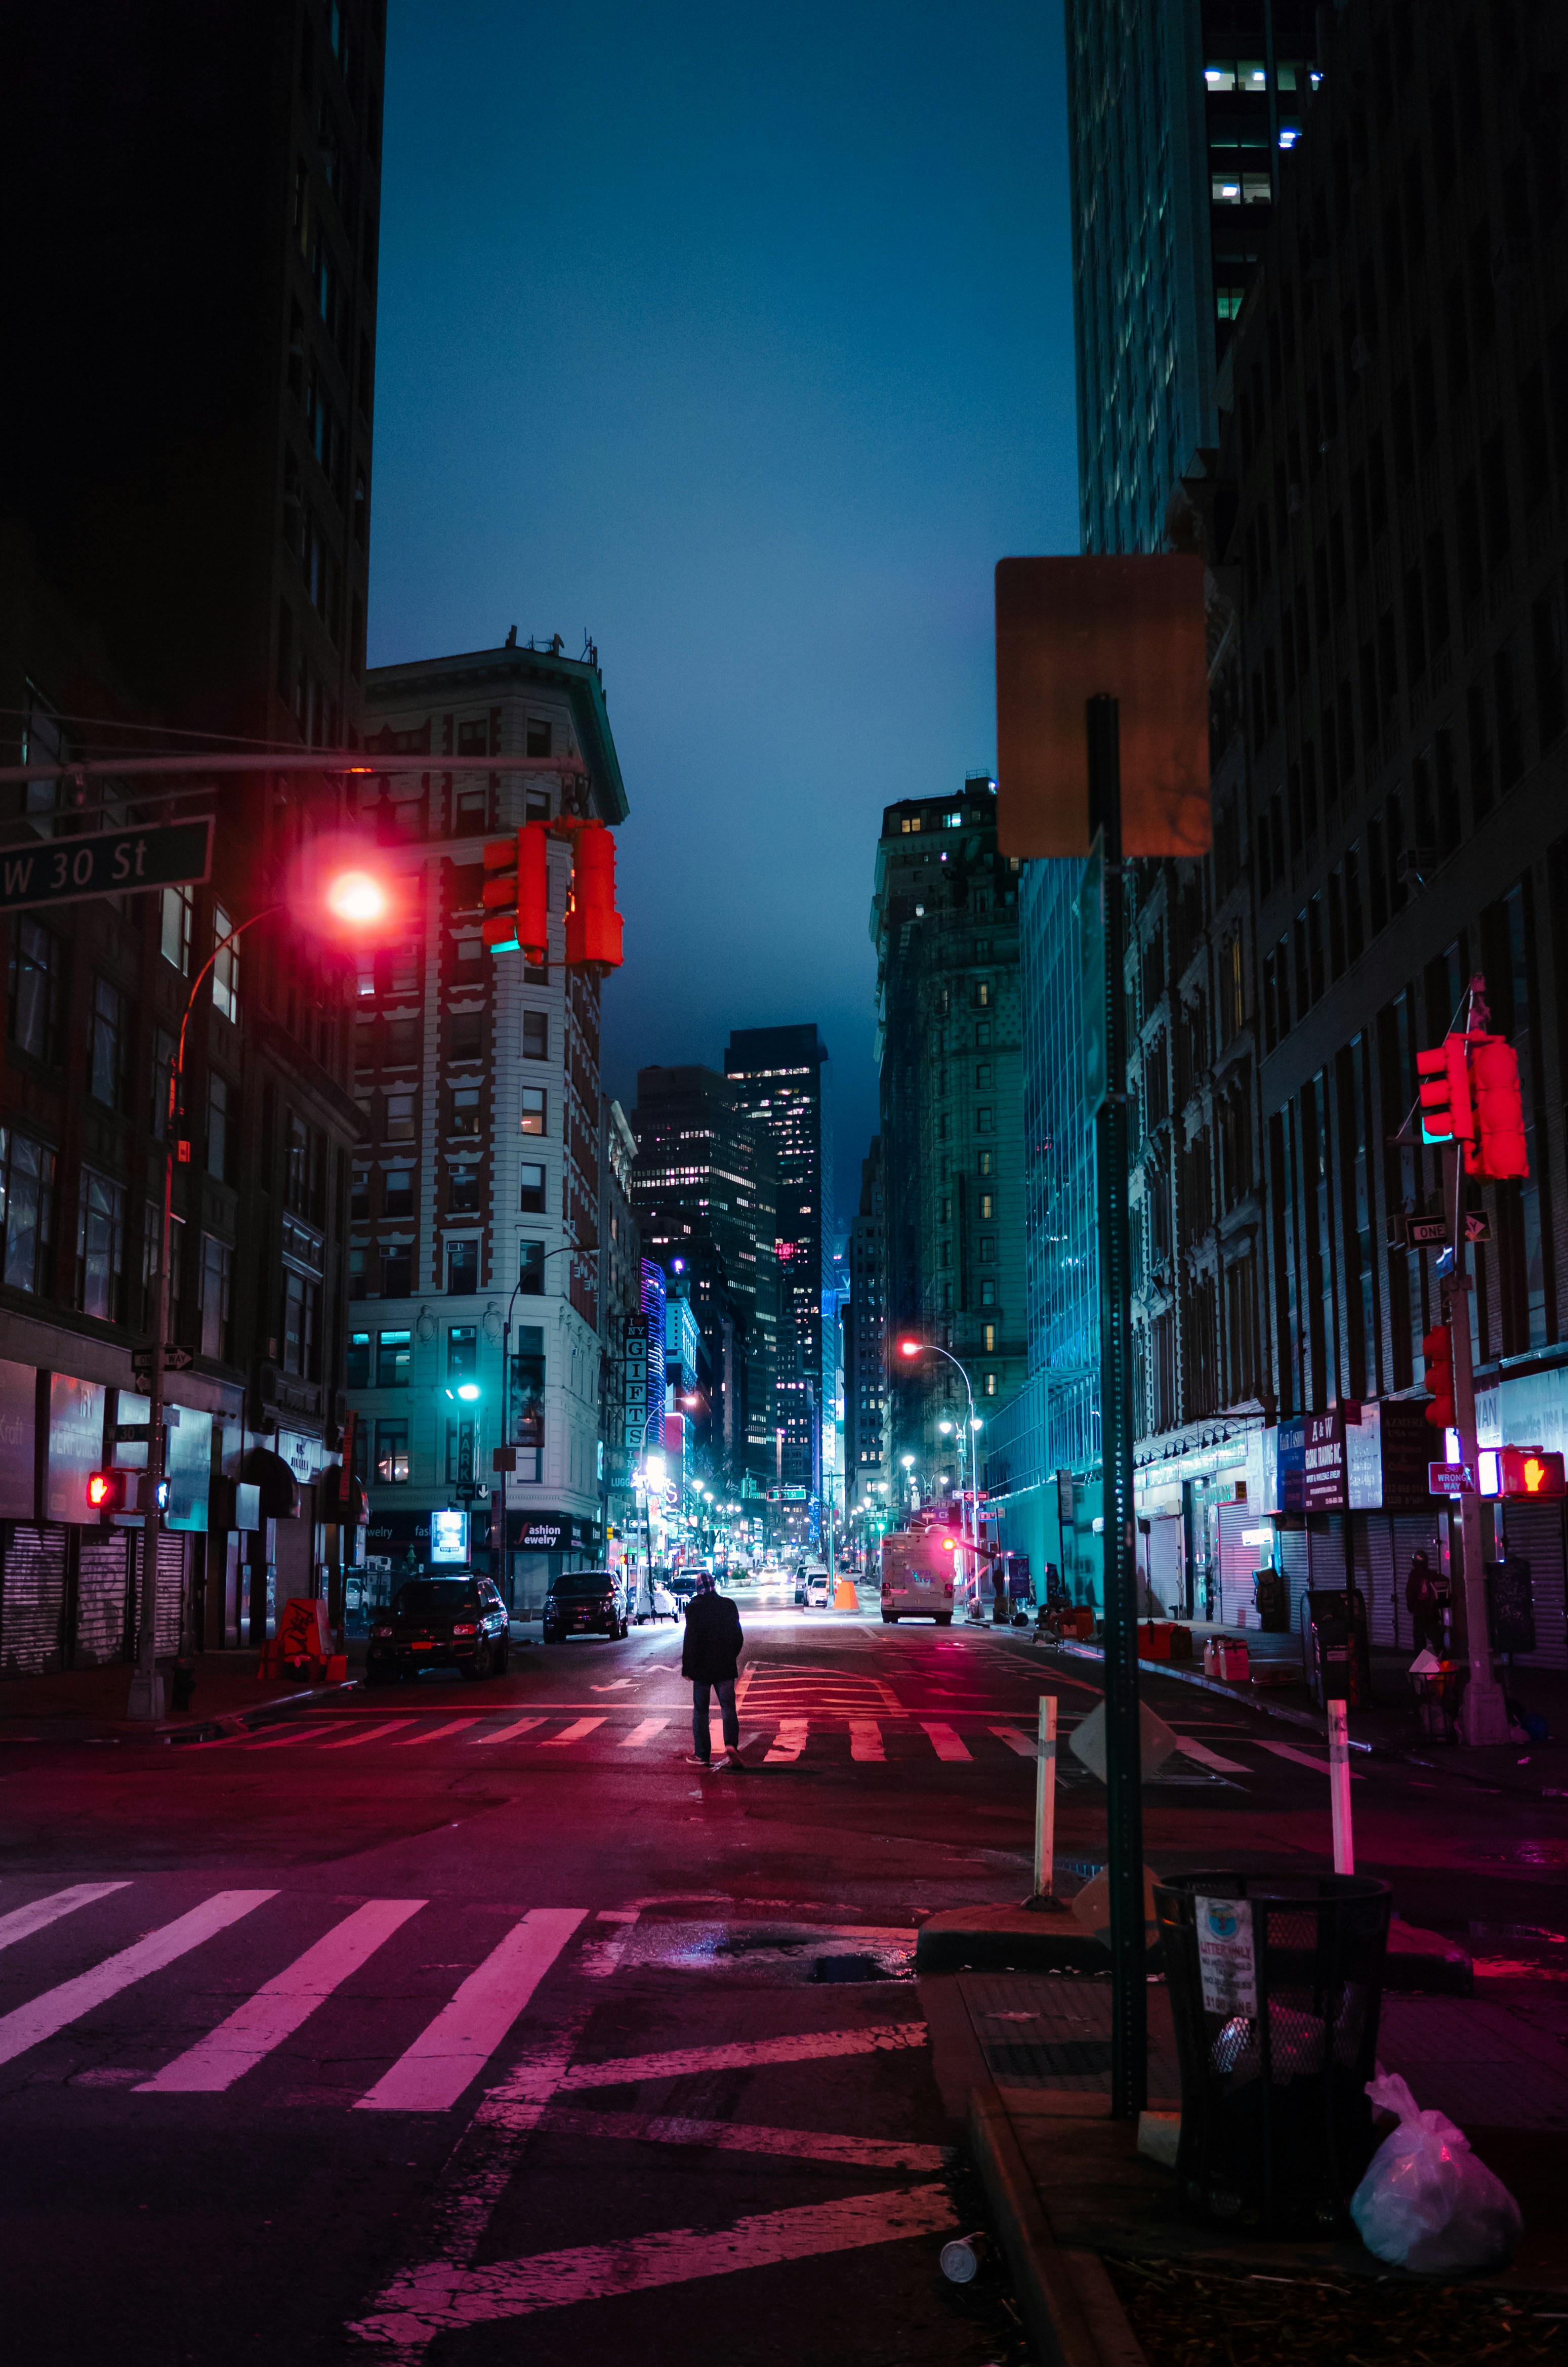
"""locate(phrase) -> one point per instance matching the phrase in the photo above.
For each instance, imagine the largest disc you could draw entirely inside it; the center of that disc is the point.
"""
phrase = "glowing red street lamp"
(910, 1347)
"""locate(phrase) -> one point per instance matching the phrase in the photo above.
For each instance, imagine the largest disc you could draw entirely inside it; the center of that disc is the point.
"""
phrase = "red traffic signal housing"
(517, 893)
(1524, 1471)
(112, 1491)
(1499, 1110)
(1438, 1349)
(1446, 1111)
(593, 925)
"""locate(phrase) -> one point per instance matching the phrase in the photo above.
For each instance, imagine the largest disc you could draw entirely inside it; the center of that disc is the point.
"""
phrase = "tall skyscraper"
(780, 1075)
(476, 1195)
(866, 1342)
(944, 915)
(704, 1190)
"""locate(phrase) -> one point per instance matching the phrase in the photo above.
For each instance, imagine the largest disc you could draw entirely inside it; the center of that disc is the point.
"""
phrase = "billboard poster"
(75, 1447)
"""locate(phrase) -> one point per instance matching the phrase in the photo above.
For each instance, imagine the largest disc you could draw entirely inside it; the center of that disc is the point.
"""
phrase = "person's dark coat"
(712, 1650)
(1420, 1587)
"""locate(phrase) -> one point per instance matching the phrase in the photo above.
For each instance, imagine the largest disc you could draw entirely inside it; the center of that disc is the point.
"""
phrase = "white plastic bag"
(1426, 2202)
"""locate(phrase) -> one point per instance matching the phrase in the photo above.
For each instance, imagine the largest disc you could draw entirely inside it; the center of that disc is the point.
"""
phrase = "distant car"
(586, 1603)
(683, 1586)
(665, 1604)
(439, 1623)
(813, 1587)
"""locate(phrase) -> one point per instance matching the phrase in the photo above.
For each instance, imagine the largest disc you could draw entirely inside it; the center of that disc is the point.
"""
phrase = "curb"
(245, 1721)
(1069, 2304)
(992, 1940)
(1318, 1726)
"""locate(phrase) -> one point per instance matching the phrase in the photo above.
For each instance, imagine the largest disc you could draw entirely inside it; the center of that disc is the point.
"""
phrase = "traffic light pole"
(1124, 1804)
(1484, 1717)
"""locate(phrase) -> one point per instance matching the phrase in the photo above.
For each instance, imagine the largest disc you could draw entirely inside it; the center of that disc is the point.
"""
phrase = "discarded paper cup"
(962, 2258)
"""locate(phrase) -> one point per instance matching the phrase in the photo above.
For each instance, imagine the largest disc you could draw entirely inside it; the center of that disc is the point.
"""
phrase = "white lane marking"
(573, 1733)
(425, 2302)
(642, 1735)
(790, 1740)
(430, 2075)
(1187, 1748)
(438, 1733)
(865, 1740)
(509, 1733)
(1015, 1739)
(23, 1921)
(600, 1959)
(616, 1685)
(944, 1742)
(738, 2136)
(809, 2047)
(371, 1734)
(1300, 1758)
(279, 2008)
(41, 2017)
(298, 1734)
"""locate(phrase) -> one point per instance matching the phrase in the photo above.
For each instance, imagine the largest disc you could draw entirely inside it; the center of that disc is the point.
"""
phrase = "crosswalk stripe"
(642, 1735)
(371, 1734)
(1204, 1757)
(276, 2010)
(865, 1740)
(790, 1740)
(429, 2075)
(508, 1733)
(295, 1734)
(438, 1733)
(1302, 1758)
(425, 2302)
(741, 2136)
(944, 1742)
(23, 1921)
(573, 1733)
(742, 2054)
(42, 2016)
(1015, 1739)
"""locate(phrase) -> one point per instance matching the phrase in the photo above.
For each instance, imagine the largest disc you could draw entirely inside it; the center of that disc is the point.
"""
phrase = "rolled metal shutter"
(103, 1580)
(1326, 1548)
(1290, 1544)
(32, 1598)
(1535, 1530)
(1385, 1603)
(1237, 1563)
(170, 1590)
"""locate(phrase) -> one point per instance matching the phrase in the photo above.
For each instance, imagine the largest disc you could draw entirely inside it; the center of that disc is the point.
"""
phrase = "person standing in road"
(1421, 1601)
(709, 1656)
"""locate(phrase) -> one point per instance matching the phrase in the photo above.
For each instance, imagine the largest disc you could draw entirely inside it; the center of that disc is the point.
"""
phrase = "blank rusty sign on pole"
(1072, 629)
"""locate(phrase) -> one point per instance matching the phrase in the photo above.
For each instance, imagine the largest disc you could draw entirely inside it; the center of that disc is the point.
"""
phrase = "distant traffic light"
(1438, 1349)
(593, 925)
(1446, 1113)
(1499, 1110)
(517, 893)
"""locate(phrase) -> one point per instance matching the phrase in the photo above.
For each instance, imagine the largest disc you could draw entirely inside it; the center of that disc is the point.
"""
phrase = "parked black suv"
(586, 1603)
(439, 1623)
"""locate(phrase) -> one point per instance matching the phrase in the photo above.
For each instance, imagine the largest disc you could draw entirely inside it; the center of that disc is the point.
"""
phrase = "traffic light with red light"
(1524, 1471)
(1438, 1349)
(1499, 1110)
(593, 925)
(517, 893)
(1446, 1111)
(112, 1491)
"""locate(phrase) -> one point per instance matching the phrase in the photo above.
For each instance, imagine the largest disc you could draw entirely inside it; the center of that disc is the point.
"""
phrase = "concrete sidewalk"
(77, 1704)
(1025, 2060)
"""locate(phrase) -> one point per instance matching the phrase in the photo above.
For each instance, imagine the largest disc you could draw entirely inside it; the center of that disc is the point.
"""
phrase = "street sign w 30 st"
(105, 863)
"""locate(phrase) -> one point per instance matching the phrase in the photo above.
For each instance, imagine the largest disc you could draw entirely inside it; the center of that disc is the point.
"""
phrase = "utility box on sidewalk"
(1337, 1662)
(1276, 1987)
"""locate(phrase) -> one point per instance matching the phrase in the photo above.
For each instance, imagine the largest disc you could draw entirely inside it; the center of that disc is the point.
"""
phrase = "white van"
(918, 1575)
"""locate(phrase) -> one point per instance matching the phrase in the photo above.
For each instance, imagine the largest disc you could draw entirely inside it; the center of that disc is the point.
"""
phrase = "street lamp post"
(929, 1347)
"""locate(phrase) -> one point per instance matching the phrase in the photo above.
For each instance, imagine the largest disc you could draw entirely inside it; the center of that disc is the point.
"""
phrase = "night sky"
(741, 338)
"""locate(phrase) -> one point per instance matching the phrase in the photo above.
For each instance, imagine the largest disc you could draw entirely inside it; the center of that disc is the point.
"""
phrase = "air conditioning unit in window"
(1412, 865)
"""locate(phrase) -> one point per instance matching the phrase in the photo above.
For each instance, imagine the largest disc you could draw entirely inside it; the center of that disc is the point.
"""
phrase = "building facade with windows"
(477, 1193)
(950, 1044)
(866, 1377)
(705, 1191)
(620, 1308)
(779, 1076)
(187, 558)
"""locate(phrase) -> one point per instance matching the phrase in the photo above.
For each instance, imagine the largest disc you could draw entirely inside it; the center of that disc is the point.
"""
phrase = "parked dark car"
(439, 1623)
(586, 1603)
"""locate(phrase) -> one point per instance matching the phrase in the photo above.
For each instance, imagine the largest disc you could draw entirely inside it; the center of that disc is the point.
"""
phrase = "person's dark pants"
(1429, 1631)
(725, 1689)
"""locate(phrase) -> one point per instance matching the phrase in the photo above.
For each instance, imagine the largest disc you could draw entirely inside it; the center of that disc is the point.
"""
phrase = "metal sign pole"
(1045, 1804)
(1124, 1807)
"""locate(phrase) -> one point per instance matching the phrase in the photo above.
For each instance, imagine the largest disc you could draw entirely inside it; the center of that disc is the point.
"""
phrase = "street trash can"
(1438, 1687)
(1276, 1985)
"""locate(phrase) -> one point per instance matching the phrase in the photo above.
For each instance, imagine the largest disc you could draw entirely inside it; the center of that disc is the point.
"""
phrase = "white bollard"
(1339, 1788)
(1045, 1800)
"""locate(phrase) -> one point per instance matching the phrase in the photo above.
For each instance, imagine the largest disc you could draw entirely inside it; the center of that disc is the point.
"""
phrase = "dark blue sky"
(742, 338)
